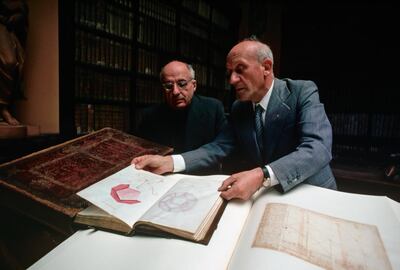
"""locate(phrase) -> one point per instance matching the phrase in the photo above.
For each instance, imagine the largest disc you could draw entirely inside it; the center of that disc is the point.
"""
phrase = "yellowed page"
(320, 239)
(352, 214)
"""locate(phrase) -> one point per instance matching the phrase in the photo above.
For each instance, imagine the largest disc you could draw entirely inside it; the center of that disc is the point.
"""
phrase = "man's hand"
(242, 185)
(154, 163)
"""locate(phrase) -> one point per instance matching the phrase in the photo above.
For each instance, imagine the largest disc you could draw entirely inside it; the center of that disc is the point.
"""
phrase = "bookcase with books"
(112, 53)
(103, 37)
(211, 63)
(156, 41)
(368, 129)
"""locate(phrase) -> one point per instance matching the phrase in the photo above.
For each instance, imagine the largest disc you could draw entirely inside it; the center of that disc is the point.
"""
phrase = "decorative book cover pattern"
(53, 176)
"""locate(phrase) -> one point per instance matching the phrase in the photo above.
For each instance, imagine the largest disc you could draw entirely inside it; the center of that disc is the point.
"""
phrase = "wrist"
(169, 161)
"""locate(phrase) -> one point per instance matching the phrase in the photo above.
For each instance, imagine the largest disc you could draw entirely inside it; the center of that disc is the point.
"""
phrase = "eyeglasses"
(182, 84)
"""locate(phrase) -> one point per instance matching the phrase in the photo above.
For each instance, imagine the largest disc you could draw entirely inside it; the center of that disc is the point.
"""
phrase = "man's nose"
(176, 90)
(233, 78)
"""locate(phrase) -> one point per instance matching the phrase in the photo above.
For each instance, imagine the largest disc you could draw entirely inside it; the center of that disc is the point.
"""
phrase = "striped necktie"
(259, 126)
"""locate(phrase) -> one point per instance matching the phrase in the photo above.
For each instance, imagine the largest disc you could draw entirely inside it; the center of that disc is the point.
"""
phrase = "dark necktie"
(259, 126)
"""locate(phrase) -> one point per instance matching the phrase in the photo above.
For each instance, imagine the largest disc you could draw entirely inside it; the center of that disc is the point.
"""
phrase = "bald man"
(186, 120)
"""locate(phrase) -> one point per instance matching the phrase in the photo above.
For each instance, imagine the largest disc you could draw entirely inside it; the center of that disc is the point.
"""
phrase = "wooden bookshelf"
(113, 52)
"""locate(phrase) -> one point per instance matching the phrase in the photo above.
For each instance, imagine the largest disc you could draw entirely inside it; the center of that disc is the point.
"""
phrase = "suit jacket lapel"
(195, 120)
(274, 117)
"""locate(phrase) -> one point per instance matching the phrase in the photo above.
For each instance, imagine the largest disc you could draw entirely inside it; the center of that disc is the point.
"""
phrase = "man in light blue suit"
(295, 140)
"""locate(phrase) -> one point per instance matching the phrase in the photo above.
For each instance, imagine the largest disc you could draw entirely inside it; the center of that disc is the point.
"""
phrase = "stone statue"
(13, 32)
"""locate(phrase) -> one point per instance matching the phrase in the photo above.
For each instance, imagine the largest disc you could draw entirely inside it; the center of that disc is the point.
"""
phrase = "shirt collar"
(265, 100)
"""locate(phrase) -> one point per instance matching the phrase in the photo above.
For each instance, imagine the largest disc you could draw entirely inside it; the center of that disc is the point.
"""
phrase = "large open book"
(43, 185)
(307, 228)
(132, 201)
(316, 228)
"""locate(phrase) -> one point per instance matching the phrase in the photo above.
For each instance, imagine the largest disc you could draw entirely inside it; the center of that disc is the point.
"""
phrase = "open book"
(315, 228)
(307, 228)
(132, 201)
(43, 185)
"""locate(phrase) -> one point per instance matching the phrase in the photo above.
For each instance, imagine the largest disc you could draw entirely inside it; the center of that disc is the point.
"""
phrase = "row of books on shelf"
(352, 124)
(221, 40)
(193, 47)
(158, 10)
(161, 33)
(351, 149)
(379, 125)
(385, 125)
(218, 81)
(95, 50)
(199, 7)
(218, 58)
(200, 73)
(204, 10)
(157, 34)
(90, 84)
(148, 91)
(148, 63)
(106, 16)
(90, 117)
(220, 20)
(195, 26)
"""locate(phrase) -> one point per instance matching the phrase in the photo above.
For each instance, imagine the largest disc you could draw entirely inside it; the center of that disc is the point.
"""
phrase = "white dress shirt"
(179, 162)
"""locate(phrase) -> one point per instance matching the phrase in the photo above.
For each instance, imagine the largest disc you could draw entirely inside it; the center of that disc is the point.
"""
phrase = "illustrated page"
(127, 194)
(187, 203)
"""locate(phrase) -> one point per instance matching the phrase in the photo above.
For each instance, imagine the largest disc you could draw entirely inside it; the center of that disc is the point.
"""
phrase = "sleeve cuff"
(274, 180)
(179, 163)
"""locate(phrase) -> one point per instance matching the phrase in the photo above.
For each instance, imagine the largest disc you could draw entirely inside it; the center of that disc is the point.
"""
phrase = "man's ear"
(194, 85)
(267, 64)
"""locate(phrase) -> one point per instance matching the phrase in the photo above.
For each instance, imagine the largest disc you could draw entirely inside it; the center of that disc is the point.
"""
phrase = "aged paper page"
(372, 211)
(149, 187)
(326, 241)
(186, 205)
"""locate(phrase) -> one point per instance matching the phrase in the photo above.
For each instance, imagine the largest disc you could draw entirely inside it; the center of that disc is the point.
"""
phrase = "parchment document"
(323, 240)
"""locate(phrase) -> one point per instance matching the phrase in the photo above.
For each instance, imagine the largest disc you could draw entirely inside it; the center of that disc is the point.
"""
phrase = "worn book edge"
(95, 217)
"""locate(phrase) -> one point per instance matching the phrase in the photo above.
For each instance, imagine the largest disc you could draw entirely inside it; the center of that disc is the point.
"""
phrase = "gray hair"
(189, 67)
(263, 50)
(191, 70)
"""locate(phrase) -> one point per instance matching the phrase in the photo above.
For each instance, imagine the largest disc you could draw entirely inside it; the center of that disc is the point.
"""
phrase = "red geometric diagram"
(124, 194)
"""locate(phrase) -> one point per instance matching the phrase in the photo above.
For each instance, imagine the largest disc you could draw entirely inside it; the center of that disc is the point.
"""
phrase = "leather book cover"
(54, 175)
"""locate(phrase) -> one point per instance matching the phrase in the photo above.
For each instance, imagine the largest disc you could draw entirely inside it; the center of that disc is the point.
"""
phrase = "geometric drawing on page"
(177, 202)
(149, 185)
(122, 193)
(326, 241)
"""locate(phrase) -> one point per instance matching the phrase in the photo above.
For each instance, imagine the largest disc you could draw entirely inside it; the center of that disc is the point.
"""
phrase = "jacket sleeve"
(212, 153)
(314, 130)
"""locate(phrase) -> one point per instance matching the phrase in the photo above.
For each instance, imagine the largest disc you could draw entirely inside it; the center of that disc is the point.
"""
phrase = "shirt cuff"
(274, 180)
(179, 163)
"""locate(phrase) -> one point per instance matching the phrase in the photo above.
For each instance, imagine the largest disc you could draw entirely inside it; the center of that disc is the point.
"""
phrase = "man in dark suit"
(287, 143)
(185, 121)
